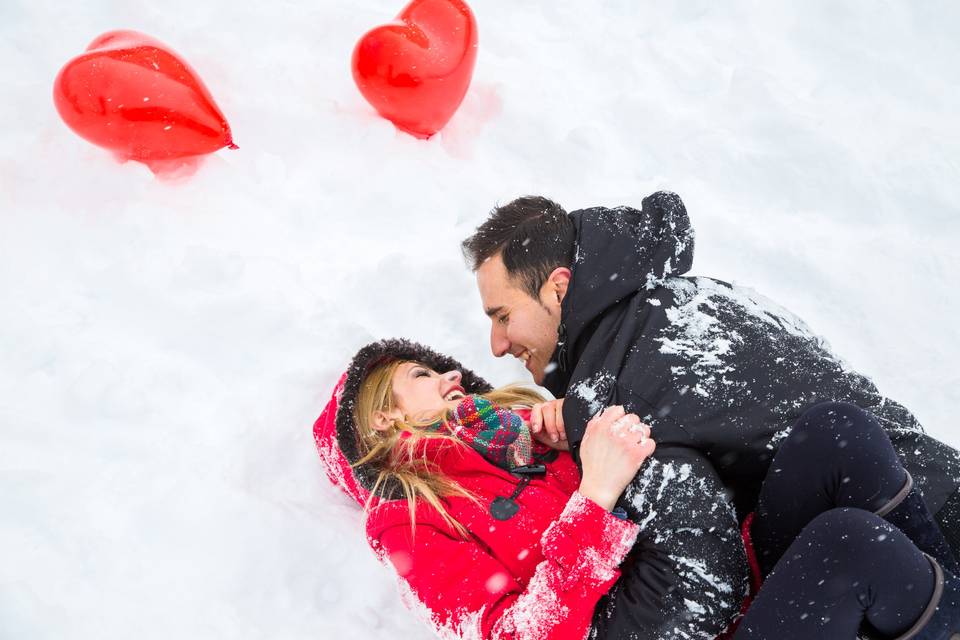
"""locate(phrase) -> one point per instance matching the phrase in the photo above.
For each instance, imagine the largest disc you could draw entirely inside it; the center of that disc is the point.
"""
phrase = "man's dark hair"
(533, 236)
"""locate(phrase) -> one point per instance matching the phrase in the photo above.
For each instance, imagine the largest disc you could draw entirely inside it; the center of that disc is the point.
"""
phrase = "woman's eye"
(419, 373)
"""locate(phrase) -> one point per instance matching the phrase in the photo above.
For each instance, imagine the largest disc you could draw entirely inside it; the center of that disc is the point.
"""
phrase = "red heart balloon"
(131, 94)
(416, 72)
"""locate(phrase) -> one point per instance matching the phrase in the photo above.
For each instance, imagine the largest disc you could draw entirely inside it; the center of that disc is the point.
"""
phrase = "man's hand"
(546, 424)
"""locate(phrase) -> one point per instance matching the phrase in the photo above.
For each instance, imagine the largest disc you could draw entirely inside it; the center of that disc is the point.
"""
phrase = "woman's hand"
(546, 424)
(612, 451)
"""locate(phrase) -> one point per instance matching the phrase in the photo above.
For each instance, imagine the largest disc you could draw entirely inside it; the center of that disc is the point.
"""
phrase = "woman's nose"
(453, 376)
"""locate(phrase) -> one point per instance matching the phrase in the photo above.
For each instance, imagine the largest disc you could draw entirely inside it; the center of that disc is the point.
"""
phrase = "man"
(596, 305)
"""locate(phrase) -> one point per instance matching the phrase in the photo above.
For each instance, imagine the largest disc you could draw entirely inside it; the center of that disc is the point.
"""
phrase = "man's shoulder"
(725, 303)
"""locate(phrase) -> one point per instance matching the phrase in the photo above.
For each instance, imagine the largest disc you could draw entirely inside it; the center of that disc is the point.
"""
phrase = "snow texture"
(616, 539)
(595, 391)
(701, 338)
(165, 346)
(659, 495)
(536, 610)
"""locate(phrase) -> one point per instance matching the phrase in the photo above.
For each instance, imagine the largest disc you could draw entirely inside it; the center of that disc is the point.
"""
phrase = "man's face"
(524, 327)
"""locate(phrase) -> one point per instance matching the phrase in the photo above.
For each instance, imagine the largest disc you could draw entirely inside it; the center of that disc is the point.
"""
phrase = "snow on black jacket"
(720, 373)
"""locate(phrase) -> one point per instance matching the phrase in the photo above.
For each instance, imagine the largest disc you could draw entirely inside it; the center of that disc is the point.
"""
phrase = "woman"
(500, 538)
(510, 555)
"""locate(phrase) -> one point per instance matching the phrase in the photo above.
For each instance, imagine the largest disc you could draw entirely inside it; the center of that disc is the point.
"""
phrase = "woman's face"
(423, 394)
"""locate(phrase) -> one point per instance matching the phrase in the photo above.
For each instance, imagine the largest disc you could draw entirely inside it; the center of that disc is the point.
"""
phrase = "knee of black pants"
(845, 540)
(832, 427)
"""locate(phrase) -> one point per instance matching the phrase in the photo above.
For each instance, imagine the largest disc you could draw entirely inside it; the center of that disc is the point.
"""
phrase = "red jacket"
(535, 576)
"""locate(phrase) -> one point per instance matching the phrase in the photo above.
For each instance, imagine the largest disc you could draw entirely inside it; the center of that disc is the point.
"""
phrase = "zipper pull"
(505, 508)
(562, 347)
(530, 470)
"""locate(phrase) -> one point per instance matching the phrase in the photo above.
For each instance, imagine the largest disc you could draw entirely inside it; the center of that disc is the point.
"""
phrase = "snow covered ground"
(164, 348)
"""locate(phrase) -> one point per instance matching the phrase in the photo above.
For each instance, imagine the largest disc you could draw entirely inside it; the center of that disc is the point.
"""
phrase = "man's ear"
(382, 421)
(558, 281)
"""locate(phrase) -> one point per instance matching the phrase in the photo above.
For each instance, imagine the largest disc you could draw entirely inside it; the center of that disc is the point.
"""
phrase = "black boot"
(941, 620)
(908, 512)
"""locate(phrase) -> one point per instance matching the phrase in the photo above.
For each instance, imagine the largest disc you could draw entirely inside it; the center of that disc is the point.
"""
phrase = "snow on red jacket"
(535, 576)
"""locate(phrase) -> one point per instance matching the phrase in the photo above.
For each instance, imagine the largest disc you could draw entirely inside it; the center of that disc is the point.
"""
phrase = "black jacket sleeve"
(687, 575)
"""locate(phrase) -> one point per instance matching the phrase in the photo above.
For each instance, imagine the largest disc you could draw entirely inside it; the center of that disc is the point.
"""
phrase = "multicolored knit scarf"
(497, 434)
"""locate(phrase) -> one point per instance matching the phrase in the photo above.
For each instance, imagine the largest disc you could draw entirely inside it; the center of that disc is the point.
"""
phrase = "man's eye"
(503, 319)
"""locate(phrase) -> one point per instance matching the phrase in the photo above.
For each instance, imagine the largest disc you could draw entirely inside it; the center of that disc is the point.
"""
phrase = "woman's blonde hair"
(394, 452)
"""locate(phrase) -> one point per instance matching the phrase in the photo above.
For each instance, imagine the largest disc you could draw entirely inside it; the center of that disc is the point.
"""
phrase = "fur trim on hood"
(336, 431)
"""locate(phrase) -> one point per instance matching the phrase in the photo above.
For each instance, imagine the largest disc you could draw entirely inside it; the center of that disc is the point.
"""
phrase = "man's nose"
(499, 344)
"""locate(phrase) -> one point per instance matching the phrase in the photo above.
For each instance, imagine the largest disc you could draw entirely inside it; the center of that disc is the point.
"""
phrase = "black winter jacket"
(720, 373)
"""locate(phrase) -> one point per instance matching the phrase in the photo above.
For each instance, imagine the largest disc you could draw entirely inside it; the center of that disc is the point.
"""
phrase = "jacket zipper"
(562, 347)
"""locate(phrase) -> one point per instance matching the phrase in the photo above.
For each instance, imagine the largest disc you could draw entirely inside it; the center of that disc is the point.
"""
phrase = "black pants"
(833, 565)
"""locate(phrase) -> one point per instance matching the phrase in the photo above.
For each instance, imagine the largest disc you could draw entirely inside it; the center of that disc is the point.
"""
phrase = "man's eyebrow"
(492, 311)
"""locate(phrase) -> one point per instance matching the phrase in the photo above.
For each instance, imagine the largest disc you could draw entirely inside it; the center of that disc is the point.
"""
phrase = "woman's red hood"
(334, 462)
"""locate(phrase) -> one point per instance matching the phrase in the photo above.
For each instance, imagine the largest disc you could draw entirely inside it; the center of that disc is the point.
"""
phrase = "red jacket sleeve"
(469, 592)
